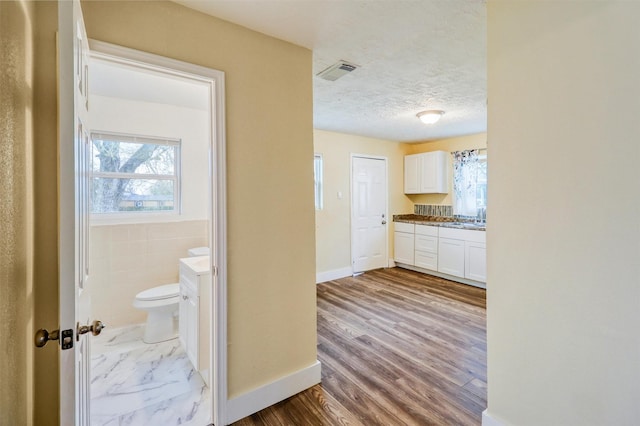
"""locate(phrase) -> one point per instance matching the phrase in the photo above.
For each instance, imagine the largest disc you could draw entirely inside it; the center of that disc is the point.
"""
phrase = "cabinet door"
(192, 328)
(411, 174)
(182, 317)
(403, 248)
(434, 172)
(476, 261)
(451, 257)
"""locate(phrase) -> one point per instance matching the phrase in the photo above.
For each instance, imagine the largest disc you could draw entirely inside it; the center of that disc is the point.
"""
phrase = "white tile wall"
(126, 259)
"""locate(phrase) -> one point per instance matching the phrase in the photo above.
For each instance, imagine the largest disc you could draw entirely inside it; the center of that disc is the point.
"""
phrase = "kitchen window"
(133, 174)
(470, 183)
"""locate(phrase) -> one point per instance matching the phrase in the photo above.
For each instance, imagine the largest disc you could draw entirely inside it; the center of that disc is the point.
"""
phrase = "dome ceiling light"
(430, 116)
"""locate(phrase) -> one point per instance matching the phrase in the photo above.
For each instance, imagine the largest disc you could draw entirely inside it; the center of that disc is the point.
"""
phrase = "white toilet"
(161, 304)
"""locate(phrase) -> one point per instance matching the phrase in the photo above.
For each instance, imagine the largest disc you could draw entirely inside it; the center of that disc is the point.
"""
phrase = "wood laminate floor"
(397, 348)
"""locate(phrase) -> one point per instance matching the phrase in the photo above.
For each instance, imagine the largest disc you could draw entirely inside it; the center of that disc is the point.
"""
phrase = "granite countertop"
(446, 222)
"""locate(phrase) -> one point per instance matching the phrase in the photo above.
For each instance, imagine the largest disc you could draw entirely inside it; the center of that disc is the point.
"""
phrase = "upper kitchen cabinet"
(426, 173)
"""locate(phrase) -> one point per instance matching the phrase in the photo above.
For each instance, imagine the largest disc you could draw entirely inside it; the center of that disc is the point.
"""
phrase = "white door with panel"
(368, 213)
(74, 278)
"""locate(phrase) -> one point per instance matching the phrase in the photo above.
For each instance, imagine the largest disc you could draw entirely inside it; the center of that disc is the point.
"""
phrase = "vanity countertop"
(198, 264)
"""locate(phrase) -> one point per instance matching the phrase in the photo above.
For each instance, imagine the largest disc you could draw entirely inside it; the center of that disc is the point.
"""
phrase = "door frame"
(217, 206)
(386, 206)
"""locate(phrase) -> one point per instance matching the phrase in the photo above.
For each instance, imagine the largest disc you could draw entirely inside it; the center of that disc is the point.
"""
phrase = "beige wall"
(449, 145)
(28, 212)
(271, 244)
(333, 232)
(126, 259)
(563, 267)
(16, 218)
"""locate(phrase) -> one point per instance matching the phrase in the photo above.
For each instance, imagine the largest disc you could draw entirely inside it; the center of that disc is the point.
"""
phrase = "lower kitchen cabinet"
(403, 240)
(476, 261)
(452, 253)
(451, 257)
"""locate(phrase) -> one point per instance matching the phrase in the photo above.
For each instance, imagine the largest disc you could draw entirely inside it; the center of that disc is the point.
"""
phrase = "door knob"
(384, 222)
(43, 336)
(95, 328)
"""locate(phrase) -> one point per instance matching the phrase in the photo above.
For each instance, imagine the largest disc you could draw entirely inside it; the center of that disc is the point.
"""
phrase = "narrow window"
(317, 177)
(132, 174)
(470, 183)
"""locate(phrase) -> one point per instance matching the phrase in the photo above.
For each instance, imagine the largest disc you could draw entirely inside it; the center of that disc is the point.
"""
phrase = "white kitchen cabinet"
(426, 173)
(411, 174)
(426, 247)
(403, 243)
(195, 313)
(451, 257)
(475, 267)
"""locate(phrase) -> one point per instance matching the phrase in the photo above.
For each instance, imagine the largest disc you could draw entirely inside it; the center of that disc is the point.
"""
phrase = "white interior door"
(368, 213)
(74, 282)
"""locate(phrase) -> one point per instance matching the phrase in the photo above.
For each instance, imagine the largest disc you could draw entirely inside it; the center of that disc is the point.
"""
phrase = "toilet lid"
(161, 292)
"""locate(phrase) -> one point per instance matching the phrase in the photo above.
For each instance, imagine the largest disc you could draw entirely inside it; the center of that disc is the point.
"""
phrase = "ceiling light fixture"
(431, 116)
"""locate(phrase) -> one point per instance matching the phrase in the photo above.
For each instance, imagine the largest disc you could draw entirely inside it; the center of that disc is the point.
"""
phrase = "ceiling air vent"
(337, 70)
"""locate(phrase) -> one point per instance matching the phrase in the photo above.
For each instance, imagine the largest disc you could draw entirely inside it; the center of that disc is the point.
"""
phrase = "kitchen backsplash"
(433, 210)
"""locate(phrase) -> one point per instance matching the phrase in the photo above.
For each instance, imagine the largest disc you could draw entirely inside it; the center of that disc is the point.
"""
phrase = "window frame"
(318, 180)
(136, 216)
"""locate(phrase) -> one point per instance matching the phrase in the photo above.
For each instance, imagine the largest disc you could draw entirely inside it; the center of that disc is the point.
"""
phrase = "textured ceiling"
(414, 55)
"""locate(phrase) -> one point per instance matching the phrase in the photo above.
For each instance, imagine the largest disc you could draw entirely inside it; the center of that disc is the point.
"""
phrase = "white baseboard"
(392, 263)
(272, 393)
(488, 420)
(334, 274)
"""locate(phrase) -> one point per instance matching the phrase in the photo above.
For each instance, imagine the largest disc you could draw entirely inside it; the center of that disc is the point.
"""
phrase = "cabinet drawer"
(426, 243)
(427, 260)
(427, 230)
(403, 227)
(463, 234)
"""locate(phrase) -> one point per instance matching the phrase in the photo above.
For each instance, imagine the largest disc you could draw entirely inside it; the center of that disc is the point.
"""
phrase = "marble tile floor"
(134, 383)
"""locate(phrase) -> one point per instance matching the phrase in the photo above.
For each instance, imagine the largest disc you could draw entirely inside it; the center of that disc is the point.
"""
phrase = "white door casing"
(368, 213)
(73, 215)
(74, 302)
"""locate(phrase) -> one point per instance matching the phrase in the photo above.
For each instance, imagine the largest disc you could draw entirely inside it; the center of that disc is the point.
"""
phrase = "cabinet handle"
(184, 297)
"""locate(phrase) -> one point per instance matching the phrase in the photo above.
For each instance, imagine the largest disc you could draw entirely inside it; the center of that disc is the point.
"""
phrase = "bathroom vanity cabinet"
(195, 312)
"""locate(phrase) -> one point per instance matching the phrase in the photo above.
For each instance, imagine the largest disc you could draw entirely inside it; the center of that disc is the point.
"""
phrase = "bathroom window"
(133, 174)
(317, 178)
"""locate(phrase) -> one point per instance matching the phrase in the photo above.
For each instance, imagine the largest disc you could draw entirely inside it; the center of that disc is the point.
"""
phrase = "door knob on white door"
(95, 328)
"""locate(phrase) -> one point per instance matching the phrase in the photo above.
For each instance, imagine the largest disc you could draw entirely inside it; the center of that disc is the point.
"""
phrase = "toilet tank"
(198, 251)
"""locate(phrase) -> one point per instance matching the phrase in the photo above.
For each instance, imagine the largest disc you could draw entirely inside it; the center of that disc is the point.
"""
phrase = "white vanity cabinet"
(403, 242)
(195, 312)
(426, 173)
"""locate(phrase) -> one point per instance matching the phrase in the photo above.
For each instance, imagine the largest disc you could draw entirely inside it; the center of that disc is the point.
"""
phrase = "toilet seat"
(161, 292)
